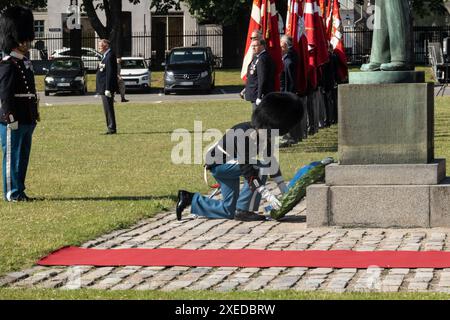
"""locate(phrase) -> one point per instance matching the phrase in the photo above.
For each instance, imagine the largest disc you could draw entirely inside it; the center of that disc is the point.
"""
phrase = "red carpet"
(246, 258)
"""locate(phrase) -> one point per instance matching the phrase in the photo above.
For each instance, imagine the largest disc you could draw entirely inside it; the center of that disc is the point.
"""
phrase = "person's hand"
(269, 197)
(12, 123)
(242, 94)
(108, 94)
(274, 202)
(258, 102)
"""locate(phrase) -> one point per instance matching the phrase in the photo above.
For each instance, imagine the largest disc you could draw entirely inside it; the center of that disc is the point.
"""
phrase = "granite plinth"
(384, 77)
(386, 123)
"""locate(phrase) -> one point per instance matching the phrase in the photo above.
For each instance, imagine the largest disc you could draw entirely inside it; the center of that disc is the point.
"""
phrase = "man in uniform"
(392, 42)
(237, 155)
(289, 84)
(18, 100)
(107, 83)
(260, 73)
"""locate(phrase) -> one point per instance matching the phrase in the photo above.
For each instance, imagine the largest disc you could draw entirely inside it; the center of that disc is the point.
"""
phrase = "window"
(39, 28)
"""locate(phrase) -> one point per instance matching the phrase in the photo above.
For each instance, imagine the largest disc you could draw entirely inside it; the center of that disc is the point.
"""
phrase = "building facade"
(146, 33)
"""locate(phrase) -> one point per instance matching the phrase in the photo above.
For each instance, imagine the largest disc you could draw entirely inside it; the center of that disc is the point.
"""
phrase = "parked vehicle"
(66, 74)
(189, 68)
(135, 73)
(91, 58)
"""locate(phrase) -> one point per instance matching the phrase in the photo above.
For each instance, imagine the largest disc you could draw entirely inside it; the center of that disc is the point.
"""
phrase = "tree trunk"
(116, 36)
(101, 30)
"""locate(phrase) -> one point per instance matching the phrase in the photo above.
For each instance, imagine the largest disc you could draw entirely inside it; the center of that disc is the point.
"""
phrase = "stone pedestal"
(404, 196)
(386, 123)
(387, 175)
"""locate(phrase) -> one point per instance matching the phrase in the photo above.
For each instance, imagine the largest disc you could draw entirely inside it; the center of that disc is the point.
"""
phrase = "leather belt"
(25, 95)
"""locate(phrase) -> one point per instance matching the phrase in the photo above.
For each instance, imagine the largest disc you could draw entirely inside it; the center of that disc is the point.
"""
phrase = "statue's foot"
(396, 66)
(372, 66)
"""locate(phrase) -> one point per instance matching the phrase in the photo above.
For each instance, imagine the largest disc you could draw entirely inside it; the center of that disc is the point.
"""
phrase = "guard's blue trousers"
(16, 147)
(228, 176)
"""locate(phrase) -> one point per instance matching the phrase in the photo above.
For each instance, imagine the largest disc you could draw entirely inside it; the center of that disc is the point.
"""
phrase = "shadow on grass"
(112, 198)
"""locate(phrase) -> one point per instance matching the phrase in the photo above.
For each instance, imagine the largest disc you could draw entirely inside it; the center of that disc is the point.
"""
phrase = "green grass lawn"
(87, 294)
(93, 184)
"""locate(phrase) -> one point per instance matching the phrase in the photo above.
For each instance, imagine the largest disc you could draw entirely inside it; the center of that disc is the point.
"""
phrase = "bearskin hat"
(17, 26)
(278, 110)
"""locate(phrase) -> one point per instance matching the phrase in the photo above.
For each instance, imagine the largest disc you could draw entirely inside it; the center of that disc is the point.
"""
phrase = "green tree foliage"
(228, 12)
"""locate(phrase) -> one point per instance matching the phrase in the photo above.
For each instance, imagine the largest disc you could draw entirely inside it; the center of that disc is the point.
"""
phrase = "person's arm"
(111, 73)
(264, 76)
(291, 76)
(7, 104)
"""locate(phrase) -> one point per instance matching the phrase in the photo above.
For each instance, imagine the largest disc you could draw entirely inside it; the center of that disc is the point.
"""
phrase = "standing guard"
(18, 100)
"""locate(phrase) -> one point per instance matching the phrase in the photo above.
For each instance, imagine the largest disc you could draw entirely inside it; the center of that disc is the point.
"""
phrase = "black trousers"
(108, 107)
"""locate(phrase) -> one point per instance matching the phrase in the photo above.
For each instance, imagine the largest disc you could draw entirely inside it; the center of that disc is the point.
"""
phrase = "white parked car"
(91, 58)
(136, 73)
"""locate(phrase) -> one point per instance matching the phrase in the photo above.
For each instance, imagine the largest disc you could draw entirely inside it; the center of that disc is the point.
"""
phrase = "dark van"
(189, 68)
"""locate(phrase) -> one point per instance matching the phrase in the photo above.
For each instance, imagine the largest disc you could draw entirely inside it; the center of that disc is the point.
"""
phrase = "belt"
(25, 95)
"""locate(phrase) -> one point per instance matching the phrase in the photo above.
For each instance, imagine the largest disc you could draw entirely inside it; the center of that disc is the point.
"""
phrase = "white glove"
(13, 125)
(269, 197)
(258, 102)
(108, 94)
(242, 94)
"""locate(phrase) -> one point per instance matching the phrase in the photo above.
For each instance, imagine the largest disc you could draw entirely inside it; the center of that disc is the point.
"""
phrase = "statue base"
(384, 77)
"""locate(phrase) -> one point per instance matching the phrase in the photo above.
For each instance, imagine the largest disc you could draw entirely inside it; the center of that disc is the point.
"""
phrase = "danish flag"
(295, 27)
(318, 46)
(334, 25)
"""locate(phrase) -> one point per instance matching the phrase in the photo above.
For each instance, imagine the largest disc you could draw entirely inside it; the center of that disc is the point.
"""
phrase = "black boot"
(184, 200)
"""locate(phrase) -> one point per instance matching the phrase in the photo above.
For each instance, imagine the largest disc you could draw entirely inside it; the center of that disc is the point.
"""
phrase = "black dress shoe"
(125, 100)
(184, 200)
(111, 132)
(248, 216)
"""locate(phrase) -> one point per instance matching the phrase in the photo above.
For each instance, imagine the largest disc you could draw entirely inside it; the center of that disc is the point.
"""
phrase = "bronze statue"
(392, 37)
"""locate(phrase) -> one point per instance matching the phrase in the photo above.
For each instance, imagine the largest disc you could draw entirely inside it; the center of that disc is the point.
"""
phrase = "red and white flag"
(295, 27)
(337, 40)
(318, 45)
(264, 17)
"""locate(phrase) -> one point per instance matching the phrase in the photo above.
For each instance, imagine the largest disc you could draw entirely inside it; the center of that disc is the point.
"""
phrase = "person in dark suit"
(260, 74)
(19, 101)
(107, 83)
(289, 81)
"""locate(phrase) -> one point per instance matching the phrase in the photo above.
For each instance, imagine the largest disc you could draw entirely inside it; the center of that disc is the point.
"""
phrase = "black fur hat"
(16, 26)
(278, 110)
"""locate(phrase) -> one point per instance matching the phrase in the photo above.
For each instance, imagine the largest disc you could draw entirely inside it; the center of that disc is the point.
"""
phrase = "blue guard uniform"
(18, 117)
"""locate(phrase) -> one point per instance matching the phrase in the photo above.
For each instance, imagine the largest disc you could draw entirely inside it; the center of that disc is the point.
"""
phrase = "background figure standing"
(260, 73)
(18, 100)
(289, 84)
(107, 83)
(120, 81)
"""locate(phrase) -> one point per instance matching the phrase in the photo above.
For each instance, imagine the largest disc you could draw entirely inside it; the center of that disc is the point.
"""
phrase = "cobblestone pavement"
(164, 231)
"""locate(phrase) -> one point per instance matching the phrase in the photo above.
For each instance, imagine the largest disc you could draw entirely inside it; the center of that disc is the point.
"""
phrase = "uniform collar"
(106, 53)
(258, 55)
(17, 55)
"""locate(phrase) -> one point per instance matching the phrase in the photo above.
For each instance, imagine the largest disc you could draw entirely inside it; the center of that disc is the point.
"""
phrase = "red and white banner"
(295, 27)
(336, 39)
(255, 24)
(264, 17)
(318, 45)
